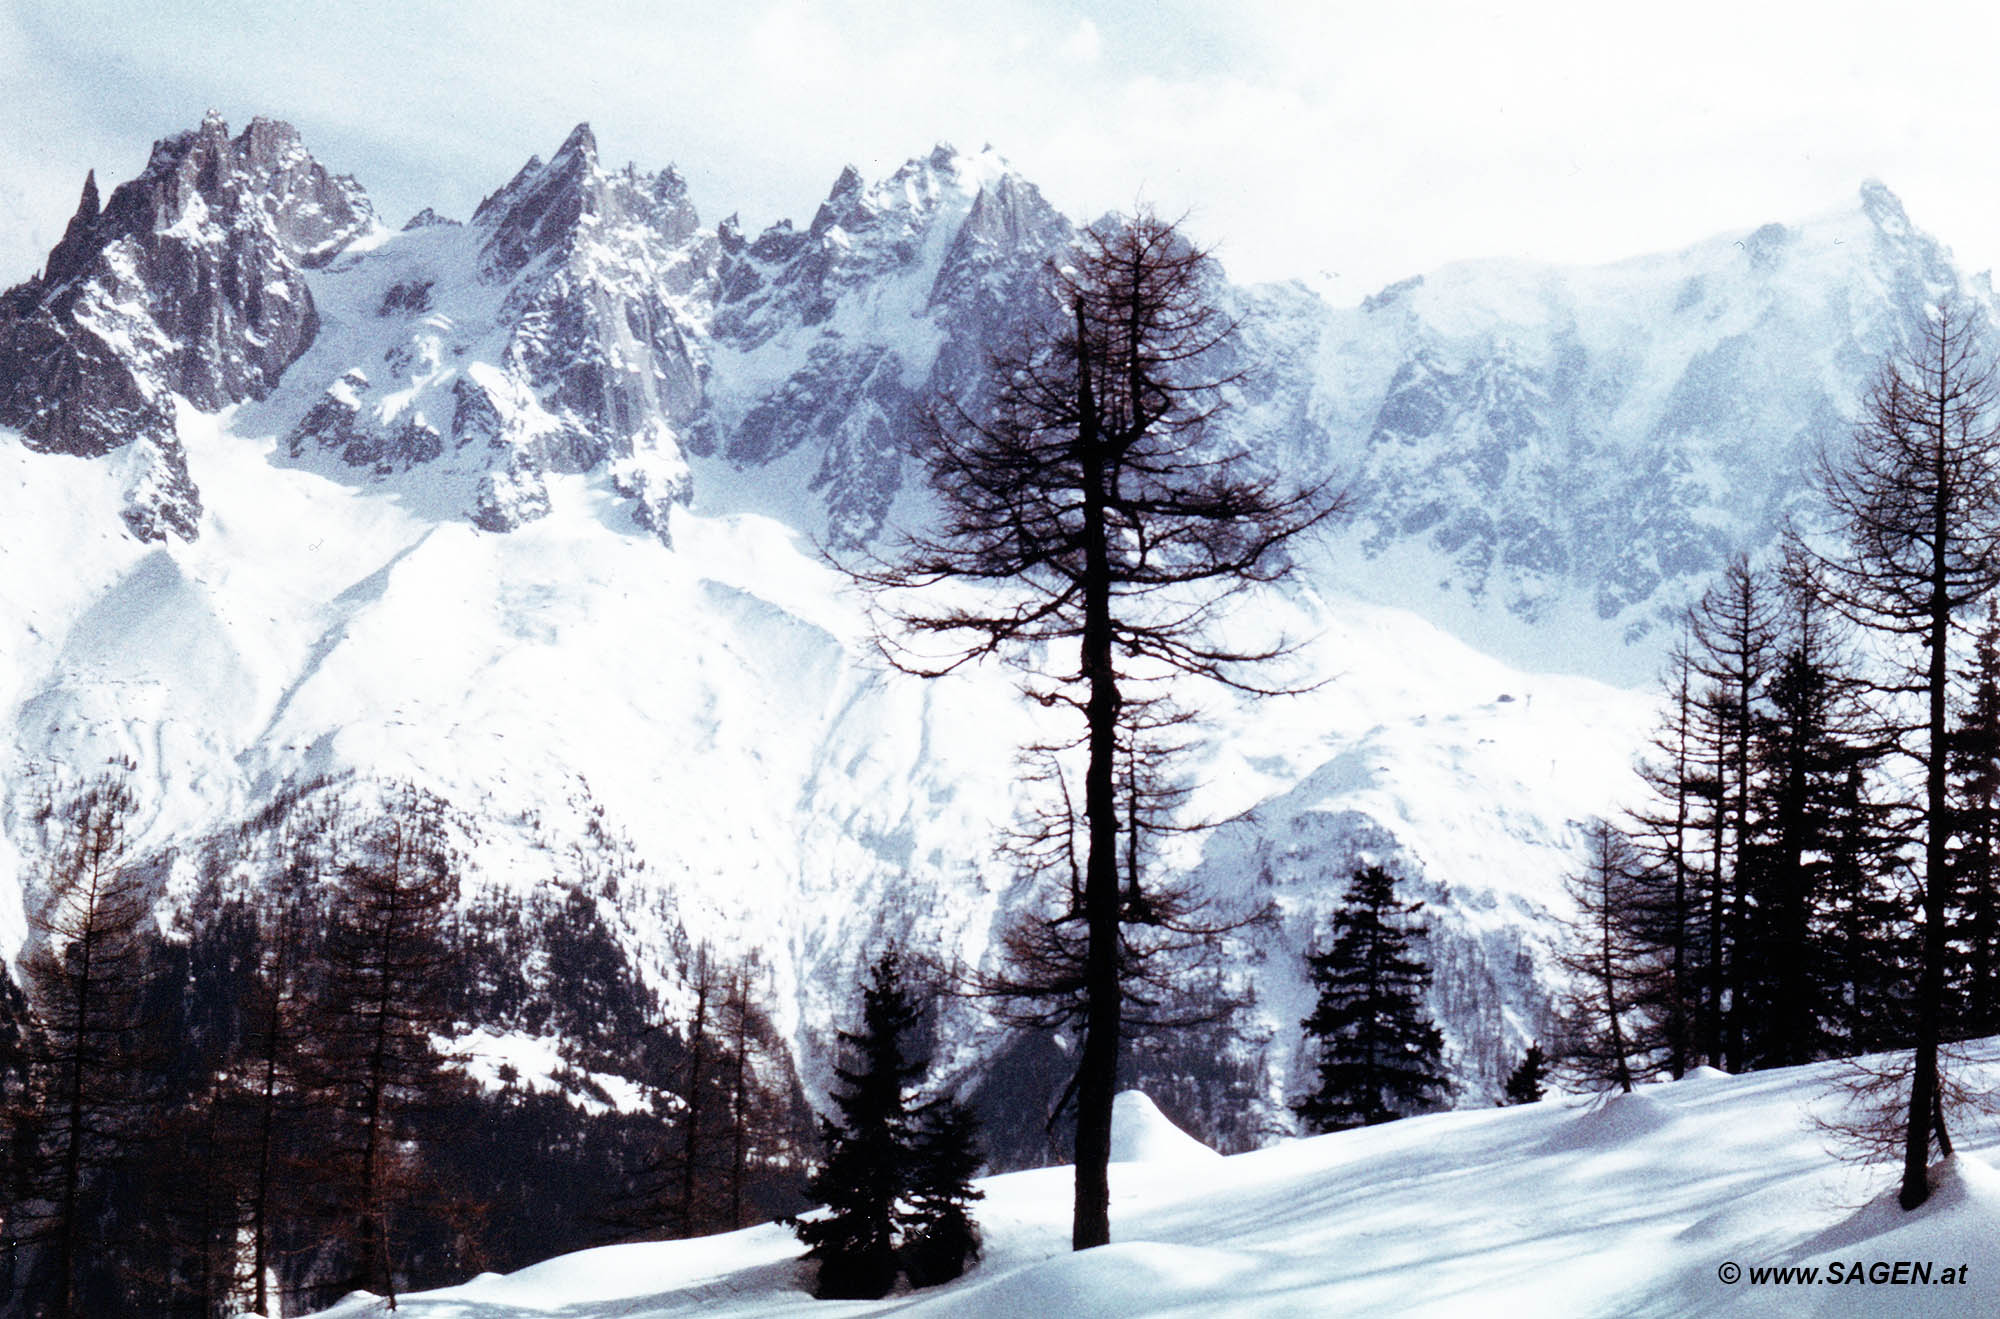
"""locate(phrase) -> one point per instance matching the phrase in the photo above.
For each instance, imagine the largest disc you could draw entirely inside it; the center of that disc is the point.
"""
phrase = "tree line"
(1814, 872)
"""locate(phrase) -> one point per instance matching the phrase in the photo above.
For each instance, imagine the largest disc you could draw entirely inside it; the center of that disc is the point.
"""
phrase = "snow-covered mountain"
(525, 509)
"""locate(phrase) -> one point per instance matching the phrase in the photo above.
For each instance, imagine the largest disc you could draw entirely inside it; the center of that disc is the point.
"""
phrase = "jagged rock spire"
(206, 300)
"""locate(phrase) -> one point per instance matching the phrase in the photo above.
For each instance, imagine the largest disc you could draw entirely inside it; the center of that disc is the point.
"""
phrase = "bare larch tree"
(1919, 497)
(1087, 509)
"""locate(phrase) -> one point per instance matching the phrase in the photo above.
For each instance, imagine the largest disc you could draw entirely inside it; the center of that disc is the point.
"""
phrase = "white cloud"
(1082, 45)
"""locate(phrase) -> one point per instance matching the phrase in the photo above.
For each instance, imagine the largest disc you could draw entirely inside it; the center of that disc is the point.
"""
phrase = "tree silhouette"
(1918, 496)
(1525, 1083)
(1380, 1058)
(1087, 510)
(90, 1085)
(897, 1176)
(385, 1001)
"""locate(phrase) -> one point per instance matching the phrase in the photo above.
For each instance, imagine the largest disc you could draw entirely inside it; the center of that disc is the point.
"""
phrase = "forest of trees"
(251, 1109)
(1813, 875)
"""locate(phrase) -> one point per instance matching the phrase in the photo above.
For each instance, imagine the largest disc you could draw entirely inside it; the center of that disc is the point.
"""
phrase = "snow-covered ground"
(1669, 1201)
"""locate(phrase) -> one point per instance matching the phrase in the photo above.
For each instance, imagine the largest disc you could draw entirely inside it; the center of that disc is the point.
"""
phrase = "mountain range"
(533, 509)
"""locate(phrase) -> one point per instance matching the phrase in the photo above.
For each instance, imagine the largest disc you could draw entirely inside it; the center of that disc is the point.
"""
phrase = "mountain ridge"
(527, 517)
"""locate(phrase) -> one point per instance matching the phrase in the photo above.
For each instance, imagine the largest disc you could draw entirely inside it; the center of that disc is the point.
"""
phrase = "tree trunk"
(1097, 1070)
(696, 1102)
(1925, 1097)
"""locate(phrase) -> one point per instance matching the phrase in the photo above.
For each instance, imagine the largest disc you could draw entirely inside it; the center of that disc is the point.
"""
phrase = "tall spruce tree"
(896, 1177)
(1379, 1055)
(1867, 935)
(1809, 756)
(867, 1167)
(1974, 973)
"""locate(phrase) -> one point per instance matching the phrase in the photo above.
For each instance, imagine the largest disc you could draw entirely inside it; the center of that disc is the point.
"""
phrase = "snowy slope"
(719, 706)
(1588, 1206)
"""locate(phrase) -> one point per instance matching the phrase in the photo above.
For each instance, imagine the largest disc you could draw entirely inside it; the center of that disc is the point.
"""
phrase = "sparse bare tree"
(1610, 960)
(83, 978)
(1088, 510)
(1918, 495)
(384, 1004)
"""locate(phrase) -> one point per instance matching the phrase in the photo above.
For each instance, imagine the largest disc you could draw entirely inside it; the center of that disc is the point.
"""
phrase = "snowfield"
(1632, 1205)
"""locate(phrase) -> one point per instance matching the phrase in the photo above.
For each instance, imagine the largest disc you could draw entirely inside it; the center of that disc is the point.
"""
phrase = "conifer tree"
(760, 1134)
(1974, 973)
(895, 1182)
(1918, 495)
(1730, 632)
(1808, 758)
(695, 1155)
(867, 1168)
(378, 1070)
(20, 1127)
(1866, 932)
(1525, 1083)
(1608, 960)
(1379, 1055)
(1100, 523)
(90, 1090)
(1668, 833)
(939, 1237)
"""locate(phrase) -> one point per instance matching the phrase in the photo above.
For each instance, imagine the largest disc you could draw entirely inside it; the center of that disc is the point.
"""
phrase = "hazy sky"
(1351, 144)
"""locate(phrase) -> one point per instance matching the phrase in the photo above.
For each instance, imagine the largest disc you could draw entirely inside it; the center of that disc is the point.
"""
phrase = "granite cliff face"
(189, 282)
(829, 341)
(1576, 451)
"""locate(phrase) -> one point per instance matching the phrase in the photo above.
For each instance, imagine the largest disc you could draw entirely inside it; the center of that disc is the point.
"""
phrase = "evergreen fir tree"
(1973, 967)
(896, 1180)
(866, 1170)
(1865, 938)
(1806, 755)
(940, 1238)
(1525, 1082)
(1380, 1058)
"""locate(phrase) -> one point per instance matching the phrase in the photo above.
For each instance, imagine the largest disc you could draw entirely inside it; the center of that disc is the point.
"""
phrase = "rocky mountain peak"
(70, 254)
(189, 282)
(581, 144)
(544, 207)
(1884, 209)
(847, 185)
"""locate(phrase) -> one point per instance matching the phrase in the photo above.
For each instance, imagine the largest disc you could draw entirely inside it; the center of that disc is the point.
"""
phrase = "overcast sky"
(1350, 144)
